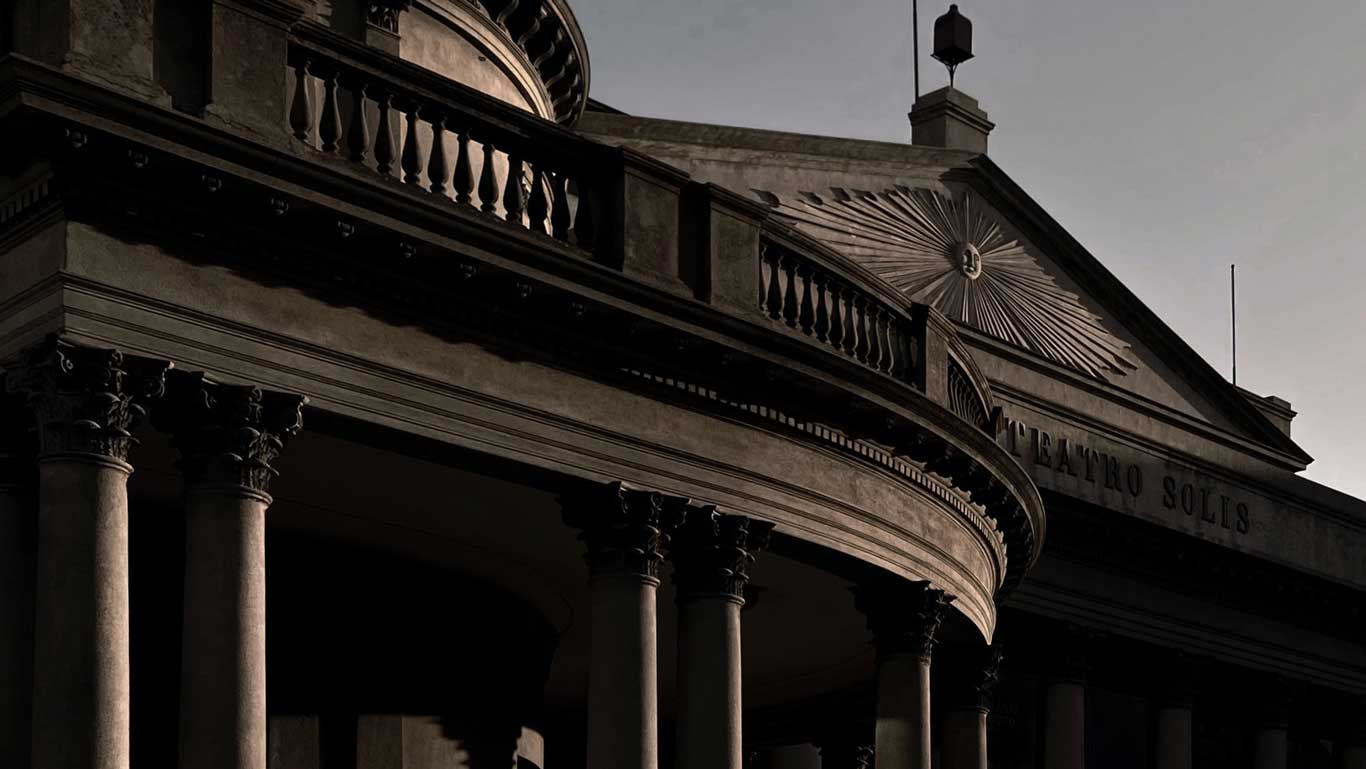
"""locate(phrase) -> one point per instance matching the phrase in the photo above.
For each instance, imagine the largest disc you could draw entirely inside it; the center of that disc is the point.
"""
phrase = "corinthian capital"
(228, 435)
(904, 616)
(85, 399)
(623, 528)
(711, 553)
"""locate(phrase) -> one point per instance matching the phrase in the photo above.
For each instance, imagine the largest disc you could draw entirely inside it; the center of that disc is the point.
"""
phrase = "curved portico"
(520, 350)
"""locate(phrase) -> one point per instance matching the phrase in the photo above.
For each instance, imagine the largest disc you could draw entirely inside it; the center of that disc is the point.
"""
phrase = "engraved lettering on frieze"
(1112, 473)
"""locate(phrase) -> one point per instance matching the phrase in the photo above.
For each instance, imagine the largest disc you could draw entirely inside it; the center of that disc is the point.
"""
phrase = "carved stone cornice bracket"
(383, 14)
(712, 552)
(228, 435)
(85, 399)
(623, 528)
(903, 616)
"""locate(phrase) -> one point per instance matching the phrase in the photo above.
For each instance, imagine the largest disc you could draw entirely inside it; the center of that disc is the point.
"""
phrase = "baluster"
(358, 132)
(436, 164)
(464, 169)
(850, 334)
(775, 294)
(330, 127)
(539, 206)
(301, 109)
(790, 295)
(514, 200)
(384, 136)
(412, 156)
(884, 319)
(559, 207)
(807, 316)
(822, 315)
(585, 232)
(874, 340)
(488, 182)
(861, 327)
(896, 344)
(836, 322)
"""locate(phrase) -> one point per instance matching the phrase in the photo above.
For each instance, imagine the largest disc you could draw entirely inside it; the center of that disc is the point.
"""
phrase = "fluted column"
(1271, 742)
(965, 720)
(85, 400)
(1064, 741)
(1175, 701)
(18, 519)
(228, 436)
(623, 530)
(904, 617)
(711, 554)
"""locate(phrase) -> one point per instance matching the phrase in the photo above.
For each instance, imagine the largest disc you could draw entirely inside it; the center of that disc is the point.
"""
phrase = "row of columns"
(629, 533)
(70, 708)
(1173, 735)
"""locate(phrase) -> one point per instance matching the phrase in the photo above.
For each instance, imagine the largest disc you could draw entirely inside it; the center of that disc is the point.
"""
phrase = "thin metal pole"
(915, 44)
(1233, 307)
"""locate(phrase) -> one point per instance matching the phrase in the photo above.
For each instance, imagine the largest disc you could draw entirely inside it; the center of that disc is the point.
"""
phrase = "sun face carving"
(950, 253)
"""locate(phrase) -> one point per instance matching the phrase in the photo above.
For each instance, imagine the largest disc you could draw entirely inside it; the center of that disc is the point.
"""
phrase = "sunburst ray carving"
(950, 253)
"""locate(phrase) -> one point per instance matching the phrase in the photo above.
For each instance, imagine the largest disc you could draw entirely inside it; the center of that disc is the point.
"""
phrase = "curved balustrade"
(405, 123)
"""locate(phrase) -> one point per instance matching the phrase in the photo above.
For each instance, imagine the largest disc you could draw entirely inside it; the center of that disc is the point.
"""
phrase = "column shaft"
(709, 678)
(1354, 757)
(223, 656)
(228, 436)
(623, 689)
(1174, 738)
(17, 521)
(1269, 747)
(903, 712)
(711, 554)
(1065, 725)
(81, 674)
(965, 739)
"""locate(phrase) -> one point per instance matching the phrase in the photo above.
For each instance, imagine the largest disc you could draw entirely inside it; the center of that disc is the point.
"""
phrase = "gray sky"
(1170, 137)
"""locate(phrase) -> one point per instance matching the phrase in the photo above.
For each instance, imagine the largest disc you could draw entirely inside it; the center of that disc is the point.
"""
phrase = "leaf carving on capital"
(228, 434)
(624, 529)
(903, 616)
(85, 399)
(952, 253)
(712, 552)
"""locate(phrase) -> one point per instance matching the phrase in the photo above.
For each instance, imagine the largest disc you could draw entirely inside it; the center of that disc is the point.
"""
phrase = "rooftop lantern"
(952, 40)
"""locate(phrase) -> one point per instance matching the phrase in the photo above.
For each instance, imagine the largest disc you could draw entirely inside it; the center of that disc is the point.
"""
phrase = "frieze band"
(1105, 471)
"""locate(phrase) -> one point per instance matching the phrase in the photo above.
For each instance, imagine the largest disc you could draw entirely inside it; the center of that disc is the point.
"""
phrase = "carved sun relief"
(950, 254)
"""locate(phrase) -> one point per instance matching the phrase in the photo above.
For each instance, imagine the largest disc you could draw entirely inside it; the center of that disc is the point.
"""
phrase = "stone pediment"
(951, 251)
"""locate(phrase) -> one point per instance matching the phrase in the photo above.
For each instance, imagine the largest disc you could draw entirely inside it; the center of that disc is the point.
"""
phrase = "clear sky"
(1171, 137)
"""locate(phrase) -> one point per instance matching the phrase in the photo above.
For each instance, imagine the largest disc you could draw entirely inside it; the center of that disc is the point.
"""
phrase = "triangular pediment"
(962, 248)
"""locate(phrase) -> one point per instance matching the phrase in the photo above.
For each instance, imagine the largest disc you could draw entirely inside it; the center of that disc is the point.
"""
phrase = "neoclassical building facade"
(373, 399)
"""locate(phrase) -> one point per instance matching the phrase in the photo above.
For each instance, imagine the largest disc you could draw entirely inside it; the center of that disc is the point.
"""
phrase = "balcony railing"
(404, 123)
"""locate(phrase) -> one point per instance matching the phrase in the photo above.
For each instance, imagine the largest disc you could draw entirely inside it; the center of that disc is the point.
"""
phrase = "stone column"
(711, 554)
(228, 436)
(1174, 728)
(85, 401)
(904, 617)
(18, 519)
(1064, 740)
(1353, 752)
(965, 722)
(1270, 744)
(622, 529)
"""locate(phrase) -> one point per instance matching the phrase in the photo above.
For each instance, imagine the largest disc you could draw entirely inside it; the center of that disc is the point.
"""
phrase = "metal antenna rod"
(915, 44)
(1233, 309)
